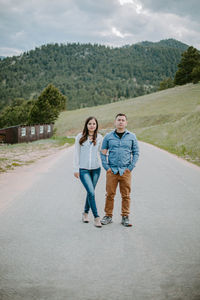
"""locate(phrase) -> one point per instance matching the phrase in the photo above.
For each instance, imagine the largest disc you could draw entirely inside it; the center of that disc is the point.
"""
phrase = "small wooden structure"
(24, 133)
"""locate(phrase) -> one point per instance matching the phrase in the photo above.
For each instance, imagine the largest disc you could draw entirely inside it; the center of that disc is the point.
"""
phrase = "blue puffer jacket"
(122, 153)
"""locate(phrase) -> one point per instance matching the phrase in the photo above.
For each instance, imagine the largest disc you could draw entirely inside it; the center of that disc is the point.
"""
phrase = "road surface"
(46, 252)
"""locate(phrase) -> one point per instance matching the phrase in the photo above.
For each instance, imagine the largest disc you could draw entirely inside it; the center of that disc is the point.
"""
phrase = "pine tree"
(166, 84)
(190, 60)
(48, 106)
(196, 74)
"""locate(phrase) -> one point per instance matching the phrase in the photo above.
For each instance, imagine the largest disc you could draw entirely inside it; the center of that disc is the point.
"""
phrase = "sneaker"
(125, 221)
(97, 222)
(85, 218)
(106, 220)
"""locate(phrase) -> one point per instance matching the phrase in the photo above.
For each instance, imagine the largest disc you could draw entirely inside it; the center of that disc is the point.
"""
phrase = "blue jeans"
(89, 179)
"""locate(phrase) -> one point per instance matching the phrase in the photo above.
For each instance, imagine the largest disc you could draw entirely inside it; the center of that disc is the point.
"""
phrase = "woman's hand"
(76, 174)
(104, 151)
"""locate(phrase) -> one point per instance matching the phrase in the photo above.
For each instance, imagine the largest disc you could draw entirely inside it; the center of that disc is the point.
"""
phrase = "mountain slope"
(89, 74)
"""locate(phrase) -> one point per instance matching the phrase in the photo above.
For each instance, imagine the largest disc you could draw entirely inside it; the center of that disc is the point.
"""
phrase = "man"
(119, 155)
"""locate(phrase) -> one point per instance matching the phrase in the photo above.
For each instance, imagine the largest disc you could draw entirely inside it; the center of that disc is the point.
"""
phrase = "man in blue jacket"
(119, 155)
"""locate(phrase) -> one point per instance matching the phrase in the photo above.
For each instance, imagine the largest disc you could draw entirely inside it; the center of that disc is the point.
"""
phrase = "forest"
(89, 74)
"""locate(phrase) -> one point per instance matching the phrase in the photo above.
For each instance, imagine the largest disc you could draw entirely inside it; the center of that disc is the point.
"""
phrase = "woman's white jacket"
(87, 155)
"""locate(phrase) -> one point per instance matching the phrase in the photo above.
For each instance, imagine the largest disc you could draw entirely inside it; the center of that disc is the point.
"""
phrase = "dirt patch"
(13, 156)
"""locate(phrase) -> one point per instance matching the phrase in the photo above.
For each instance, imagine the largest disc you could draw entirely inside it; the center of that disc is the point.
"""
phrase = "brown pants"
(112, 181)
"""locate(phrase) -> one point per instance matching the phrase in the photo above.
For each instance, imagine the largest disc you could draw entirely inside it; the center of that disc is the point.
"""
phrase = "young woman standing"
(87, 165)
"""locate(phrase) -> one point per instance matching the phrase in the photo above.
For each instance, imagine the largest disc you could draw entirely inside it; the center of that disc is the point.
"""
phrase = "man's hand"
(76, 174)
(109, 171)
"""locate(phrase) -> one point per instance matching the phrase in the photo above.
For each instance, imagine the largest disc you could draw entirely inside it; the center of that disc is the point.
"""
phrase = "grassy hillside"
(169, 119)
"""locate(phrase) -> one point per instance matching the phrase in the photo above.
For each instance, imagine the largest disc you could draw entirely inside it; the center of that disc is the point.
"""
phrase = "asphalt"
(46, 252)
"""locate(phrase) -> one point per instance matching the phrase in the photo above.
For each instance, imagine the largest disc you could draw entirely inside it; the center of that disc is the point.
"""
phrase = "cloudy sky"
(26, 24)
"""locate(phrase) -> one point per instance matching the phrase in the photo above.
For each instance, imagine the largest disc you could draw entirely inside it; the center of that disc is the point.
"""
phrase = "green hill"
(169, 119)
(88, 74)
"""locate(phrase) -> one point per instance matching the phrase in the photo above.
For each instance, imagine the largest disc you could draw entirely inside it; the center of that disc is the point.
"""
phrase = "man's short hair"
(120, 115)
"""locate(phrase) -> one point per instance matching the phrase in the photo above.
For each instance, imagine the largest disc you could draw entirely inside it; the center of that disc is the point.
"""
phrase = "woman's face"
(91, 125)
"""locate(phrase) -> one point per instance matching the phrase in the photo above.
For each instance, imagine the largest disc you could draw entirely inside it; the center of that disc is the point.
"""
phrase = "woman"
(87, 165)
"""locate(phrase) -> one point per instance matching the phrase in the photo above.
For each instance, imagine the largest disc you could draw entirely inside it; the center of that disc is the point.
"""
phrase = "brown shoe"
(97, 222)
(85, 218)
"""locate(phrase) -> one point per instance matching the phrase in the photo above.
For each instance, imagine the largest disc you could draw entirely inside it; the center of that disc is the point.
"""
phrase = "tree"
(190, 60)
(166, 84)
(48, 106)
(127, 93)
(16, 113)
(196, 74)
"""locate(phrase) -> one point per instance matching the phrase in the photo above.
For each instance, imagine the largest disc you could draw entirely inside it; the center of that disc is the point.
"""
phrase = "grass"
(62, 140)
(169, 119)
(181, 137)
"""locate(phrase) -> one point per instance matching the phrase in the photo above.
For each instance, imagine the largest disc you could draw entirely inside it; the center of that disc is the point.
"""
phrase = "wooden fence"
(24, 133)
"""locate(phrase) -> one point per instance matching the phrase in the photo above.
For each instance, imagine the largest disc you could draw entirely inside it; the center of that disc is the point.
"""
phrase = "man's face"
(120, 122)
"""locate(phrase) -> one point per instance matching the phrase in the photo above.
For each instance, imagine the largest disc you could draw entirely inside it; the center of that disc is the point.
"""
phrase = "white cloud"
(19, 35)
(122, 2)
(117, 32)
(4, 51)
(134, 3)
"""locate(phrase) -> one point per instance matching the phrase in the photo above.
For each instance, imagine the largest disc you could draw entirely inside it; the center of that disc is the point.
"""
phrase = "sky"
(26, 24)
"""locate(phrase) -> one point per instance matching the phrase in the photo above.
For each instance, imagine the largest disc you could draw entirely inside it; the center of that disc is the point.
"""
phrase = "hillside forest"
(87, 74)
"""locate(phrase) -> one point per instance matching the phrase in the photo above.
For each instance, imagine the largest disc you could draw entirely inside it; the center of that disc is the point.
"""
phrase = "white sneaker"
(85, 218)
(97, 222)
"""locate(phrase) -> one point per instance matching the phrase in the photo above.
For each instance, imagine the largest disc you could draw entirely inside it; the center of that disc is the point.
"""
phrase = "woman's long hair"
(85, 132)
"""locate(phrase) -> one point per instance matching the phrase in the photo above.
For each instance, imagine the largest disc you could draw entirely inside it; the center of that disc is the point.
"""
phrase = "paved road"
(46, 252)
